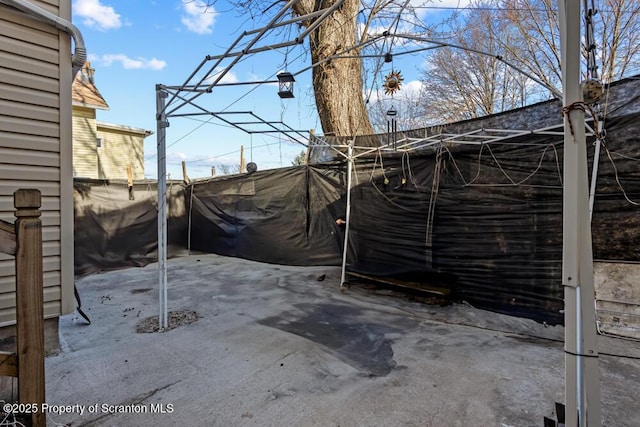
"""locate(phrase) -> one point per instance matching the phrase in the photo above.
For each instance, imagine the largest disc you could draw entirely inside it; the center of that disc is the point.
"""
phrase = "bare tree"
(457, 84)
(300, 158)
(536, 42)
(618, 38)
(407, 104)
(461, 85)
(334, 49)
(337, 82)
(228, 169)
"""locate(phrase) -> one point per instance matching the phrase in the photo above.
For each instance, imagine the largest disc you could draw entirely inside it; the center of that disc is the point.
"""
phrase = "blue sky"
(135, 44)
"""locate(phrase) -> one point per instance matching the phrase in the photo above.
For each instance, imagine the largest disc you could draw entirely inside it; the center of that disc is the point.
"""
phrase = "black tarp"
(484, 221)
(496, 233)
(112, 231)
(282, 216)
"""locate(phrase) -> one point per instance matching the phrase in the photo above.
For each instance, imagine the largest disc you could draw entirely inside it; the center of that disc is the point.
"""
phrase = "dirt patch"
(175, 319)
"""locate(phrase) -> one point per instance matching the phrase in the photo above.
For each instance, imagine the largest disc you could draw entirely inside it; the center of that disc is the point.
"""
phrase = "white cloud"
(412, 88)
(131, 63)
(429, 8)
(229, 77)
(97, 15)
(199, 18)
(408, 91)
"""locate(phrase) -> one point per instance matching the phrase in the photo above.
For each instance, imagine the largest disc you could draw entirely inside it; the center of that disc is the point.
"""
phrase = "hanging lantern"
(285, 85)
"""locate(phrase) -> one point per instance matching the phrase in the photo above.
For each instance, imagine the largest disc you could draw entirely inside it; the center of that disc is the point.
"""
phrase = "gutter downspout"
(79, 56)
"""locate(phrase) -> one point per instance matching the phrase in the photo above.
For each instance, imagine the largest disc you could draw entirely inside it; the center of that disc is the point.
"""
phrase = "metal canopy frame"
(255, 124)
(172, 100)
(208, 75)
(198, 84)
(479, 136)
(582, 394)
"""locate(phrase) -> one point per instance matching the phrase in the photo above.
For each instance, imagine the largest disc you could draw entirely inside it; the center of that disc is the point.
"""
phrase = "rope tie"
(578, 105)
(584, 107)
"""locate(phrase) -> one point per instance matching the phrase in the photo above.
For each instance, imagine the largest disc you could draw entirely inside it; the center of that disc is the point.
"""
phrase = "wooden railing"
(23, 239)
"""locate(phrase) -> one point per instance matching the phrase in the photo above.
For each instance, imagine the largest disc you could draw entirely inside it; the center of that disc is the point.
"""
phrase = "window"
(99, 142)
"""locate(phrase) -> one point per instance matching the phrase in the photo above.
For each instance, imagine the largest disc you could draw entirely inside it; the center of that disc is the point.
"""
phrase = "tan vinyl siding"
(85, 157)
(16, 62)
(48, 204)
(22, 127)
(47, 189)
(17, 156)
(18, 96)
(22, 79)
(6, 300)
(29, 142)
(7, 284)
(35, 145)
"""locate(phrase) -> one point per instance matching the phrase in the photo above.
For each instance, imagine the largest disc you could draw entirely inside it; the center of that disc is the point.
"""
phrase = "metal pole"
(190, 216)
(582, 394)
(162, 124)
(347, 214)
(594, 172)
(394, 124)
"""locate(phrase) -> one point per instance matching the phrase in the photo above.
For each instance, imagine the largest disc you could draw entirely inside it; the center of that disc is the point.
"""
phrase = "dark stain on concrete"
(344, 332)
(140, 290)
(538, 341)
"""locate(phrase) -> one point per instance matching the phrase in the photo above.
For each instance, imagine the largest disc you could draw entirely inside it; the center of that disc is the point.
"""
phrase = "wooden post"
(7, 238)
(29, 301)
(130, 181)
(242, 165)
(185, 177)
(312, 136)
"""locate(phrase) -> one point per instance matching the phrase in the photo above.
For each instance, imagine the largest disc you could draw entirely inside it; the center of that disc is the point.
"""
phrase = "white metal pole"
(162, 124)
(594, 175)
(345, 247)
(582, 394)
(190, 216)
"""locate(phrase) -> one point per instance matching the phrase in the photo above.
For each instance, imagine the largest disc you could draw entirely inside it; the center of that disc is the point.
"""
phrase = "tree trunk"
(337, 83)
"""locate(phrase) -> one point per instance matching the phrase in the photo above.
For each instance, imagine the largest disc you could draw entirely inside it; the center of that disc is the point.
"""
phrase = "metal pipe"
(594, 177)
(190, 216)
(294, 20)
(328, 11)
(222, 73)
(162, 124)
(582, 389)
(79, 57)
(594, 172)
(345, 247)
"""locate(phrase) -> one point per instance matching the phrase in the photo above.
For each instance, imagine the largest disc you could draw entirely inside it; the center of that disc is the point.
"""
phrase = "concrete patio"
(287, 346)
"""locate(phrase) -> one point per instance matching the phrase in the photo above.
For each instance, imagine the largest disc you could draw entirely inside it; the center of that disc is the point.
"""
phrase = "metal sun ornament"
(392, 82)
